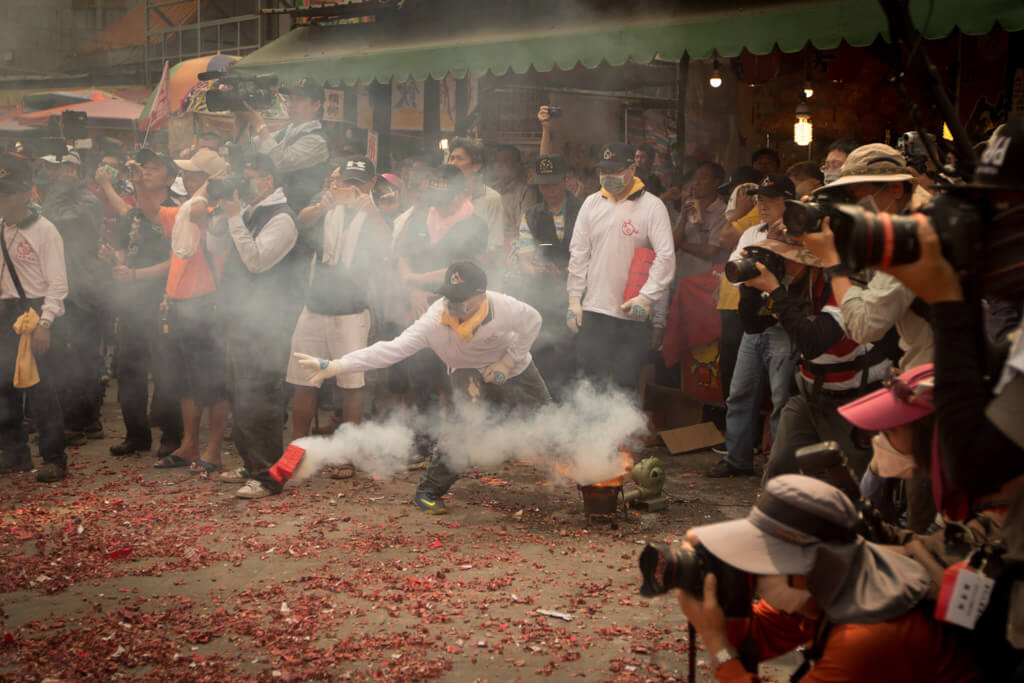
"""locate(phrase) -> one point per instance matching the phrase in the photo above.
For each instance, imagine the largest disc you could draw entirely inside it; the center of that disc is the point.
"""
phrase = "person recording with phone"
(346, 239)
(858, 606)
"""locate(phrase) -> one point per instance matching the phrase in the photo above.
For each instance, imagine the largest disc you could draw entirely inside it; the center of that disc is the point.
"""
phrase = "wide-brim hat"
(874, 163)
(907, 399)
(790, 251)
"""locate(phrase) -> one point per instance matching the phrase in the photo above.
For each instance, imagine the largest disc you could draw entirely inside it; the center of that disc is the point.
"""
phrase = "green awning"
(348, 54)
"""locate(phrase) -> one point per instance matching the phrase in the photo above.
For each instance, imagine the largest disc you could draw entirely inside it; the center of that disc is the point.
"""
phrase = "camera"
(234, 93)
(912, 147)
(745, 268)
(225, 188)
(665, 566)
(554, 112)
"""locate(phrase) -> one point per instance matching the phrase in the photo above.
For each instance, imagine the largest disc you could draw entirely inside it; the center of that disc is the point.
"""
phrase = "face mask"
(254, 189)
(776, 591)
(890, 462)
(457, 309)
(830, 176)
(613, 184)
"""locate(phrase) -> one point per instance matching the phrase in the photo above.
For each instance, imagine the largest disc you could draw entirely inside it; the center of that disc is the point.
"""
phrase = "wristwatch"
(725, 654)
(839, 270)
(45, 324)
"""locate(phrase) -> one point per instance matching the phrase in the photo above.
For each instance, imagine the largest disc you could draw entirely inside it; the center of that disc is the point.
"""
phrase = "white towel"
(185, 234)
(339, 242)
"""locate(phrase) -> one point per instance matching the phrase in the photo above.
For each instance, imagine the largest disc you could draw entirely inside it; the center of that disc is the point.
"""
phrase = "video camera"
(913, 149)
(236, 93)
(826, 461)
(743, 269)
(665, 566)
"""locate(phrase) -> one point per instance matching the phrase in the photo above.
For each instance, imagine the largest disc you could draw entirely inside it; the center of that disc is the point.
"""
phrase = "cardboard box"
(696, 437)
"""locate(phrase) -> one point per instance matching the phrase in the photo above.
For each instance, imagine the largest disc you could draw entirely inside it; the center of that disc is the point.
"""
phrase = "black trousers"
(79, 365)
(613, 349)
(42, 397)
(256, 370)
(140, 353)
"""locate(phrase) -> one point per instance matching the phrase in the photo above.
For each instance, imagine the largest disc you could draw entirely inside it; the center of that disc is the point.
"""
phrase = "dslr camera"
(233, 93)
(665, 566)
(912, 147)
(225, 188)
(743, 269)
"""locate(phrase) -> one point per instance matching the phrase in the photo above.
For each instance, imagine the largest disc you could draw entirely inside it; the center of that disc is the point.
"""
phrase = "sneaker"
(51, 471)
(10, 464)
(253, 490)
(431, 506)
(74, 439)
(720, 449)
(236, 476)
(127, 447)
(722, 469)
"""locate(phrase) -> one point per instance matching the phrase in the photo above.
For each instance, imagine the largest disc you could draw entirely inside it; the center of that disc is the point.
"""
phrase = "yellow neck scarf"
(467, 329)
(637, 184)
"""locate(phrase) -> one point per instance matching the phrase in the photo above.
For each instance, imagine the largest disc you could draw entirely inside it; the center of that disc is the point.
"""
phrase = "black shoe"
(10, 464)
(127, 447)
(94, 431)
(74, 438)
(51, 471)
(722, 469)
(166, 449)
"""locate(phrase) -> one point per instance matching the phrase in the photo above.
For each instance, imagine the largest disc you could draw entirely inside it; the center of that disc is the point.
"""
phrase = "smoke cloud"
(578, 439)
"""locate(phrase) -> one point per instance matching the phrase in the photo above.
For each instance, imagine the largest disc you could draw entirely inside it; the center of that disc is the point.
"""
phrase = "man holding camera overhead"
(300, 151)
(858, 604)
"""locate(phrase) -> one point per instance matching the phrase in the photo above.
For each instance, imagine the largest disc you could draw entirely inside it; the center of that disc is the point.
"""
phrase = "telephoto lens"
(665, 567)
(801, 218)
(741, 270)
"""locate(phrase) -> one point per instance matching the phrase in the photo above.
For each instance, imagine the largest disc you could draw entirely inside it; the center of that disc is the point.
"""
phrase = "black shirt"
(337, 289)
(143, 241)
(467, 239)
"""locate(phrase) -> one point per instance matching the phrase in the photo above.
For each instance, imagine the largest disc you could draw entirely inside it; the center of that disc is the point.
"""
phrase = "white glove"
(496, 373)
(574, 316)
(323, 369)
(637, 308)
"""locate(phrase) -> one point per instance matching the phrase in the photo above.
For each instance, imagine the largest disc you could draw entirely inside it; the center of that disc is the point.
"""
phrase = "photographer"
(261, 293)
(857, 604)
(877, 178)
(300, 152)
(979, 427)
(336, 317)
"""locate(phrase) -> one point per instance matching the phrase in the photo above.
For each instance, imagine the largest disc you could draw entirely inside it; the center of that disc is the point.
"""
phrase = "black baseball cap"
(15, 174)
(445, 183)
(550, 169)
(146, 155)
(616, 156)
(306, 86)
(260, 163)
(464, 279)
(775, 185)
(360, 169)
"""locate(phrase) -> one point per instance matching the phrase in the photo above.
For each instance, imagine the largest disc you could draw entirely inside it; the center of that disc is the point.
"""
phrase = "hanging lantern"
(715, 80)
(803, 129)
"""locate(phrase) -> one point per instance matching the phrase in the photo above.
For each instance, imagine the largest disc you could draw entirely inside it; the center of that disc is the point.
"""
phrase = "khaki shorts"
(329, 337)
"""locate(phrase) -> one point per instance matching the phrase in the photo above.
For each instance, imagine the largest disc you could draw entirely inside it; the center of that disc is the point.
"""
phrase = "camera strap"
(923, 310)
(815, 651)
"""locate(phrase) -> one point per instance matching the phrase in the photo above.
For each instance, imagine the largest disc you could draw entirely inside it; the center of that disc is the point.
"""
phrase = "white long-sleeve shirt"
(508, 333)
(870, 312)
(297, 149)
(276, 239)
(37, 252)
(603, 241)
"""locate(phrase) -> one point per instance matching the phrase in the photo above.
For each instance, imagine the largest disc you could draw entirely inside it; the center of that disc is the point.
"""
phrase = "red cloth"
(639, 269)
(693, 318)
(913, 647)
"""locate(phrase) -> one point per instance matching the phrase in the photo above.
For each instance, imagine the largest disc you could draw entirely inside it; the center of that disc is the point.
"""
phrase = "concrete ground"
(123, 570)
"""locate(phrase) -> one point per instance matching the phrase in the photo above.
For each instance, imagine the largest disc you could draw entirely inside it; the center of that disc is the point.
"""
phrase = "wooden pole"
(682, 85)
(380, 96)
(431, 114)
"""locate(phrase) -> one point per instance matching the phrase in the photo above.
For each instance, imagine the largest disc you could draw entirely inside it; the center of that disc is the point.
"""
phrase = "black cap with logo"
(360, 169)
(15, 174)
(445, 184)
(550, 169)
(463, 280)
(616, 156)
(1001, 166)
(775, 185)
(306, 86)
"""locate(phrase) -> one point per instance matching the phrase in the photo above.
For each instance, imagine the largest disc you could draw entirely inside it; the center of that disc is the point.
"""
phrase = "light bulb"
(803, 129)
(715, 80)
(443, 144)
(808, 90)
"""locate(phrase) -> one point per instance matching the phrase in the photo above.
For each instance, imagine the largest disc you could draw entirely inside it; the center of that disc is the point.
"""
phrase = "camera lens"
(741, 270)
(875, 239)
(801, 218)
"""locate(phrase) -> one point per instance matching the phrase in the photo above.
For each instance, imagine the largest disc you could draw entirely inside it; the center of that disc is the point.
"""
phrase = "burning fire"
(625, 465)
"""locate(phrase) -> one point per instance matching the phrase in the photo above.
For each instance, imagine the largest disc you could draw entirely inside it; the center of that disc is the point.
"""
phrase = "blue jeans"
(772, 355)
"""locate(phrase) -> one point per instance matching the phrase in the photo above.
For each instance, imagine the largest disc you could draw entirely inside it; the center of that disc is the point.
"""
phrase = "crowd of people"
(238, 278)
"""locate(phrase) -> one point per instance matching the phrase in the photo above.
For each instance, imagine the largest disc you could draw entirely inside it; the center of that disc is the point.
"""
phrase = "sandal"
(203, 467)
(169, 461)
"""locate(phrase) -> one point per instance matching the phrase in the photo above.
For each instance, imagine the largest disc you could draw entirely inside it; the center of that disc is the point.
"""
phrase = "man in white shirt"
(614, 329)
(262, 286)
(478, 334)
(33, 276)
